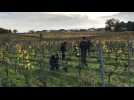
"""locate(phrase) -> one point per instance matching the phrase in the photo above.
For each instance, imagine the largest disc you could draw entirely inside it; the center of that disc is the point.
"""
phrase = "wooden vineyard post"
(110, 47)
(101, 61)
(6, 62)
(0, 63)
(49, 53)
(24, 70)
(15, 66)
(41, 52)
(42, 76)
(129, 61)
(79, 66)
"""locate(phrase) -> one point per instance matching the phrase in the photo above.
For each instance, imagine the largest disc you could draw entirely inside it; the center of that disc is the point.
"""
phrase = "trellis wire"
(100, 56)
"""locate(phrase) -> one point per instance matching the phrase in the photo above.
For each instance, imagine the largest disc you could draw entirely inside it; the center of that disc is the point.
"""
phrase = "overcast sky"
(25, 21)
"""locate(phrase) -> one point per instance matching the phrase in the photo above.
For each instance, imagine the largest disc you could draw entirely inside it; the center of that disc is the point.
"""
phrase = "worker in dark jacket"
(89, 45)
(57, 61)
(54, 62)
(63, 50)
(83, 51)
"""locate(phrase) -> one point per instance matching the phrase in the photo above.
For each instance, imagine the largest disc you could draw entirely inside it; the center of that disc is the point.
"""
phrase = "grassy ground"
(89, 76)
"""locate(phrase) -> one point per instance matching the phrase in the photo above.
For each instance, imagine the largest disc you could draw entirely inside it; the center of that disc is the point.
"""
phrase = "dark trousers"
(83, 57)
(63, 55)
(54, 67)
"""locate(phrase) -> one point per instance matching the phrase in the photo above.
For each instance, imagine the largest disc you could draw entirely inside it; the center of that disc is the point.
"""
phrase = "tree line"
(3, 30)
(116, 25)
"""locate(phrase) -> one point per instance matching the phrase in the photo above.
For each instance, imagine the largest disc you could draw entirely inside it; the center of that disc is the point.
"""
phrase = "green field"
(24, 61)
